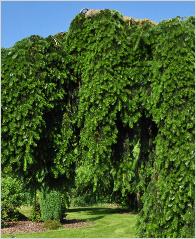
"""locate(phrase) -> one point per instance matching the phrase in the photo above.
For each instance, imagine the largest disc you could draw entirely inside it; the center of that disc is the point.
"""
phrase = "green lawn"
(103, 222)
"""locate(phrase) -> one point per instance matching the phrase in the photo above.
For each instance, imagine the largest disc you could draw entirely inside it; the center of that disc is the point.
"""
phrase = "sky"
(25, 18)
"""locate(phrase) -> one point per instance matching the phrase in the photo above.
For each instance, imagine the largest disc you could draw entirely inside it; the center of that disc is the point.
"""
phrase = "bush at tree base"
(125, 100)
(52, 205)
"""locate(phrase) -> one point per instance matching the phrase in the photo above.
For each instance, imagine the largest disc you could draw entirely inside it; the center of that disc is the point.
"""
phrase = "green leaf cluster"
(35, 87)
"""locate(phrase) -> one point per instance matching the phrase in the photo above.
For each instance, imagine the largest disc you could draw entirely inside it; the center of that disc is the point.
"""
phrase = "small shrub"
(12, 196)
(52, 205)
(52, 224)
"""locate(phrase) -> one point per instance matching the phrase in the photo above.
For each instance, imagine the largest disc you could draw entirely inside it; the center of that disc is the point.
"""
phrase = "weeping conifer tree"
(112, 103)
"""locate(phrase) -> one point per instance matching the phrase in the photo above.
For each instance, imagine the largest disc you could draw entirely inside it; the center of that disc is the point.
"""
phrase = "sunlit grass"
(102, 221)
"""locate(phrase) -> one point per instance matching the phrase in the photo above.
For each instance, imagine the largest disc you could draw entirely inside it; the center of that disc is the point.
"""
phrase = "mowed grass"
(105, 222)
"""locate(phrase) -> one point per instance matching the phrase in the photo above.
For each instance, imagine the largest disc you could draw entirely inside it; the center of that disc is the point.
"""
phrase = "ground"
(88, 222)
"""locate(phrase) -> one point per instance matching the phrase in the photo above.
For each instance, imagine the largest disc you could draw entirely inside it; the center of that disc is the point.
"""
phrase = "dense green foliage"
(34, 79)
(34, 92)
(136, 114)
(115, 106)
(12, 196)
(170, 194)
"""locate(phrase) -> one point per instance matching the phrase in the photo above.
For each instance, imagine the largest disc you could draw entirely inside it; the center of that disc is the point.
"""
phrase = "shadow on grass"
(73, 221)
(96, 212)
(100, 211)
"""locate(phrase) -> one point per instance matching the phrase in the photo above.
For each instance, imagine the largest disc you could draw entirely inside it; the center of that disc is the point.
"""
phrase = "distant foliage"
(109, 104)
